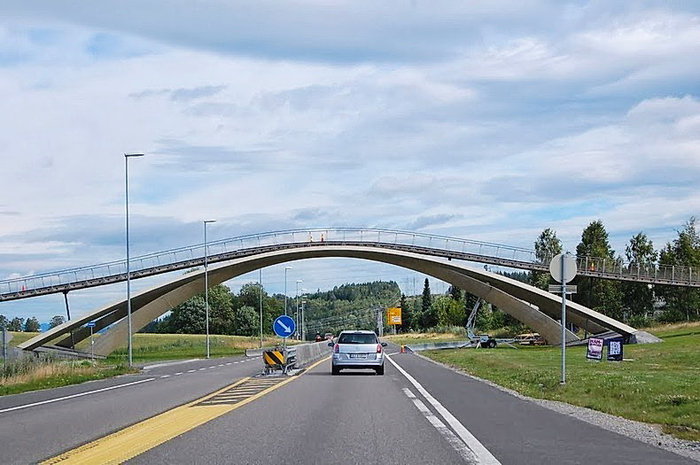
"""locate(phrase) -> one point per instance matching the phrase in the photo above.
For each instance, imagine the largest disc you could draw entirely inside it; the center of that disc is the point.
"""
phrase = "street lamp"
(128, 264)
(286, 268)
(303, 329)
(297, 314)
(260, 290)
(206, 281)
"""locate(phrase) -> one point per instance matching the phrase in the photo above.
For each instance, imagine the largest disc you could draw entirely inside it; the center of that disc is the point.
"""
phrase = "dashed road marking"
(451, 438)
(482, 453)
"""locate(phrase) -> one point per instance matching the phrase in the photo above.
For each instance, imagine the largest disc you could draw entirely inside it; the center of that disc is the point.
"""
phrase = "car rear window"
(357, 339)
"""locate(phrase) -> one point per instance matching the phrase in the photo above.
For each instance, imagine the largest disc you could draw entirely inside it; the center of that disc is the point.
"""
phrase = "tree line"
(636, 303)
(30, 325)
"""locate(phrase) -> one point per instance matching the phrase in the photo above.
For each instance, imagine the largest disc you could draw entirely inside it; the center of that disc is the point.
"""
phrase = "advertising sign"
(394, 315)
(595, 349)
(615, 349)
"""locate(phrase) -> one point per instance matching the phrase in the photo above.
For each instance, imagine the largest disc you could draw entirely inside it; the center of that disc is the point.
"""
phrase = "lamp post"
(303, 329)
(260, 290)
(297, 314)
(286, 268)
(206, 282)
(128, 264)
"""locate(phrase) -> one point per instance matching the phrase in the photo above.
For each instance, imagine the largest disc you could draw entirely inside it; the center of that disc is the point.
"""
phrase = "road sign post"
(91, 325)
(563, 270)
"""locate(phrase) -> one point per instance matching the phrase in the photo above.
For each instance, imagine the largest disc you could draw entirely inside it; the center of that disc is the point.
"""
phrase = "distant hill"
(350, 306)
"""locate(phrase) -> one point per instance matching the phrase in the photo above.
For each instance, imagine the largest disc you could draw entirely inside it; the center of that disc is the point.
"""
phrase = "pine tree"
(601, 295)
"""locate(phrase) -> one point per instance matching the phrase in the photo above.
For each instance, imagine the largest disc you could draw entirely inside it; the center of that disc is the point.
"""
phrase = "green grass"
(155, 347)
(423, 338)
(74, 375)
(657, 383)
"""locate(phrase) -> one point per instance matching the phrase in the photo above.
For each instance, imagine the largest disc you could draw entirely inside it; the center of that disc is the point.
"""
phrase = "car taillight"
(336, 348)
(379, 348)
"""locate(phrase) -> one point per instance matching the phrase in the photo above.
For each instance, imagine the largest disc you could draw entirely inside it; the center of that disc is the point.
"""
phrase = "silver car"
(357, 349)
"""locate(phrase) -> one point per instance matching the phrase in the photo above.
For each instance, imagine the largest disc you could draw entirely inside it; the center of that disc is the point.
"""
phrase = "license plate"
(358, 355)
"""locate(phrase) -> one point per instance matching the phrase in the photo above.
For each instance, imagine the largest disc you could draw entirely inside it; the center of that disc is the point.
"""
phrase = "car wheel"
(380, 370)
(492, 344)
(335, 371)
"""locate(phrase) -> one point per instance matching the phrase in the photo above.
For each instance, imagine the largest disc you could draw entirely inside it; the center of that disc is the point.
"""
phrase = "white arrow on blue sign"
(90, 324)
(284, 326)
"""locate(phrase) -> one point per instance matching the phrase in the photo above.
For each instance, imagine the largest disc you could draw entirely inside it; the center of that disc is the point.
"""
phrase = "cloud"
(488, 121)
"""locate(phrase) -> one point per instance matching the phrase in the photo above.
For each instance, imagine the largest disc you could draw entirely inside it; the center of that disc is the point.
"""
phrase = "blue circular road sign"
(284, 326)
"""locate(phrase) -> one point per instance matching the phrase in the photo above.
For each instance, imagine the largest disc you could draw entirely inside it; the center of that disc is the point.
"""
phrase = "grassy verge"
(32, 374)
(422, 338)
(657, 383)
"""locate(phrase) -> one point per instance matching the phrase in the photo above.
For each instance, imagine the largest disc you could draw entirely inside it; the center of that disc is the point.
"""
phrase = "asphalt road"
(34, 431)
(356, 417)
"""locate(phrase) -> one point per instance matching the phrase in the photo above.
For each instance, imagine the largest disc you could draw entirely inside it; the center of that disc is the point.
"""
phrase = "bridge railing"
(515, 255)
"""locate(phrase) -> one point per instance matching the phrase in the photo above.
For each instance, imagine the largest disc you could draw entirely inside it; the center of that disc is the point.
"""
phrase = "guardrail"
(227, 249)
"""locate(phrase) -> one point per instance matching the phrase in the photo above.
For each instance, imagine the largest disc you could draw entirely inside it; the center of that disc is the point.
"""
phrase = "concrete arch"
(509, 295)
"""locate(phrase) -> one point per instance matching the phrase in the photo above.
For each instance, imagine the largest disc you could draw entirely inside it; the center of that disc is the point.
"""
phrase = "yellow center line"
(134, 440)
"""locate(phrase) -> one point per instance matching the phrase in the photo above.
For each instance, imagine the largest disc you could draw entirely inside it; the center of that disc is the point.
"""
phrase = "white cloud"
(490, 121)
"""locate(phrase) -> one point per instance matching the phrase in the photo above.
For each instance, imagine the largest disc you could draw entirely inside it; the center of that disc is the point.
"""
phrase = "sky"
(487, 120)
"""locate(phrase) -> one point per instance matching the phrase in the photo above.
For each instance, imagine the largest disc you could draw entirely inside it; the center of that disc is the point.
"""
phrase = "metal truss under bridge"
(238, 247)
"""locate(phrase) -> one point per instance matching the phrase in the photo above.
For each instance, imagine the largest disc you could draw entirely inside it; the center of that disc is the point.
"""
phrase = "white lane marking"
(167, 364)
(72, 396)
(203, 368)
(229, 363)
(482, 453)
(451, 438)
(220, 365)
(191, 371)
(214, 366)
(165, 376)
(178, 373)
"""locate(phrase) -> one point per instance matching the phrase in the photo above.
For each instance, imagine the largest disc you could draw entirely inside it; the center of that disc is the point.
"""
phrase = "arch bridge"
(535, 308)
(405, 241)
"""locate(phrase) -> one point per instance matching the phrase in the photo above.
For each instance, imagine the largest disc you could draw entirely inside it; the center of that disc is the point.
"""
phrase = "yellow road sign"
(394, 315)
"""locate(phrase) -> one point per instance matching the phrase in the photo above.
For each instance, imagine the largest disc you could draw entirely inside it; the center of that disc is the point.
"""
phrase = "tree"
(683, 252)
(56, 321)
(4, 322)
(407, 320)
(187, 318)
(427, 297)
(245, 321)
(638, 298)
(32, 325)
(547, 246)
(601, 295)
(15, 324)
(221, 310)
(455, 292)
(429, 318)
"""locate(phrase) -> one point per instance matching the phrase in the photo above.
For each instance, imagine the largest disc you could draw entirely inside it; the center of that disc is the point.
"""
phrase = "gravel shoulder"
(649, 434)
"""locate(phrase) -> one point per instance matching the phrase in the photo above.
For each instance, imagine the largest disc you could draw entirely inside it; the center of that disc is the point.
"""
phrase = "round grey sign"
(555, 268)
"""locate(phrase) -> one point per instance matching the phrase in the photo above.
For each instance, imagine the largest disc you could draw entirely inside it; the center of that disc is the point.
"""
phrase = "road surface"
(418, 412)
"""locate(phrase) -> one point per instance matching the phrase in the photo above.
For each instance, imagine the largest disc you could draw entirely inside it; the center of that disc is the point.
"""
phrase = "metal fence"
(478, 251)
